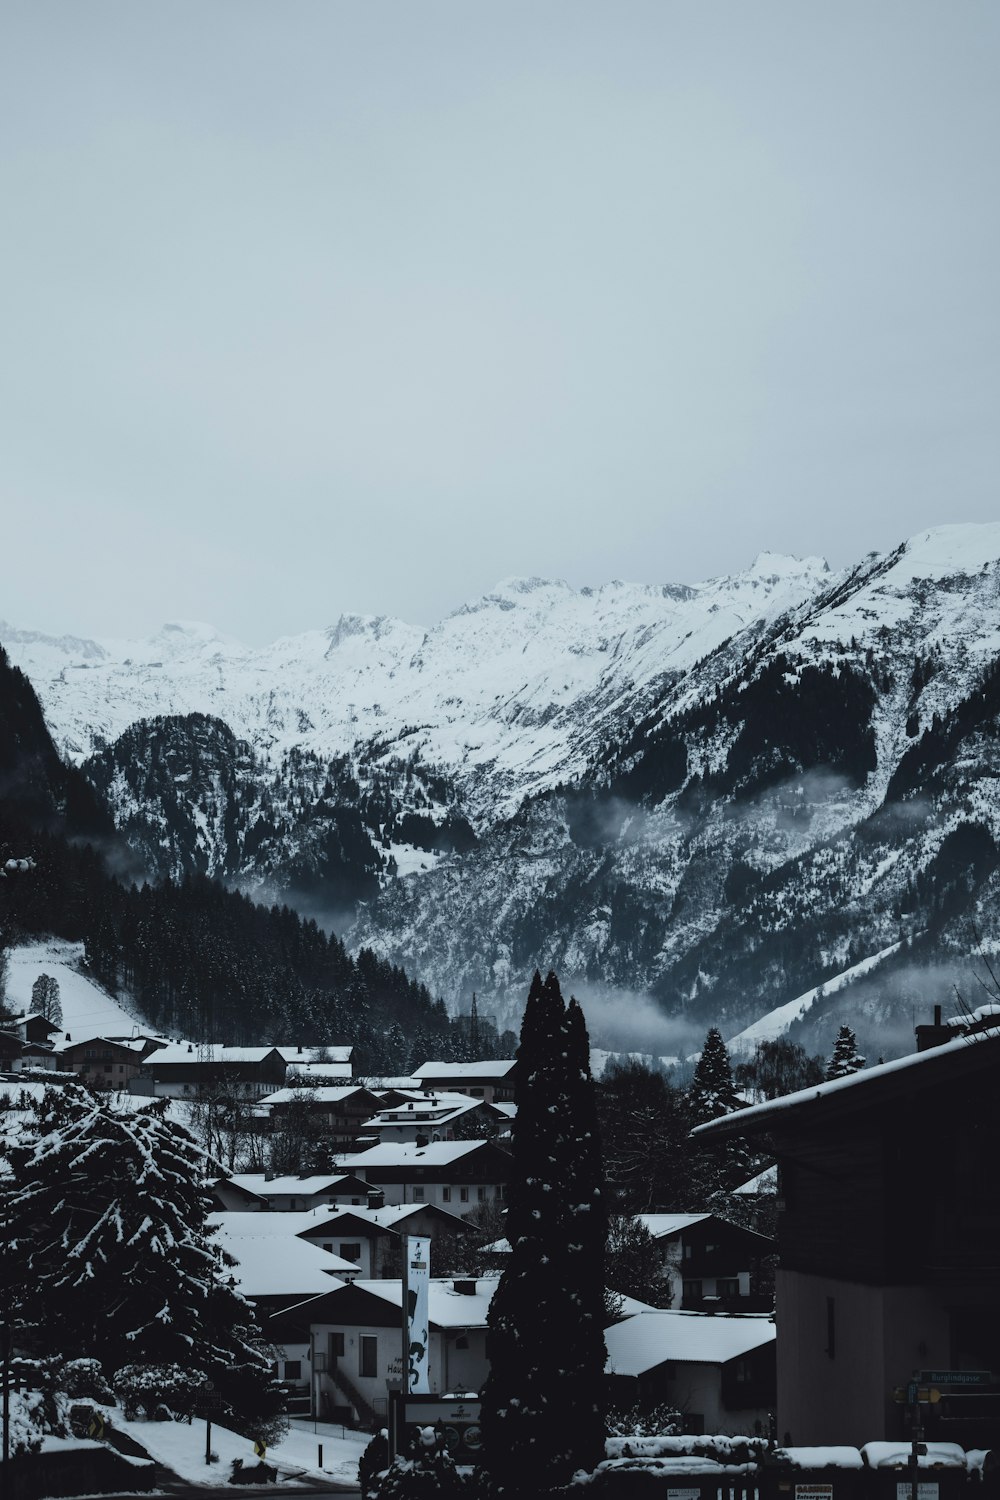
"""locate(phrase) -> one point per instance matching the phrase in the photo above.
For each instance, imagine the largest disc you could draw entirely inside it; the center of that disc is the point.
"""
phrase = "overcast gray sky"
(310, 307)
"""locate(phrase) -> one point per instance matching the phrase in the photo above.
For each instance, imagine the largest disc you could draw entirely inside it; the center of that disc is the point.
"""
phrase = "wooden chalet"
(889, 1246)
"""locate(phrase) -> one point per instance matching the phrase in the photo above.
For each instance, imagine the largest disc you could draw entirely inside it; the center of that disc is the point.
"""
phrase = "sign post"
(416, 1322)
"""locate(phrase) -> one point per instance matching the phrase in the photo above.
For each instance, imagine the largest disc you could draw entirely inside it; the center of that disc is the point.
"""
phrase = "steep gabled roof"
(484, 1070)
(964, 1056)
(648, 1339)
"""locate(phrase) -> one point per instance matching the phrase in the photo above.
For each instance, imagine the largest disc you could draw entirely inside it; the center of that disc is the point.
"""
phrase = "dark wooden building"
(889, 1245)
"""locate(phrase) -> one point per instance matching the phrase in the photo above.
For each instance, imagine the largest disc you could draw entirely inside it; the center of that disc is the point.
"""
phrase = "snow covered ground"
(87, 1010)
(181, 1447)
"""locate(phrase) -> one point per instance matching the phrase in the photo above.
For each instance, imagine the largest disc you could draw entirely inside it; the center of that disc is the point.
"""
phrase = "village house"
(372, 1237)
(107, 1062)
(889, 1245)
(339, 1112)
(454, 1175)
(716, 1370)
(183, 1070)
(354, 1333)
(317, 1065)
(709, 1262)
(29, 1044)
(282, 1194)
(275, 1269)
(492, 1081)
(435, 1117)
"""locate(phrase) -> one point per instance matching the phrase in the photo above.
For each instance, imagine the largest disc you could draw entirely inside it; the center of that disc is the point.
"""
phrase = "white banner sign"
(418, 1270)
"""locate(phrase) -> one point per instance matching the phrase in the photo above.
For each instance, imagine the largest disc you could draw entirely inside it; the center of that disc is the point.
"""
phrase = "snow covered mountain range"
(719, 798)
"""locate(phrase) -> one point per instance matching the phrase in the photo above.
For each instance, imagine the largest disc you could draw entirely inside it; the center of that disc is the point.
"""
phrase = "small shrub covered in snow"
(428, 1472)
(84, 1377)
(145, 1388)
(661, 1421)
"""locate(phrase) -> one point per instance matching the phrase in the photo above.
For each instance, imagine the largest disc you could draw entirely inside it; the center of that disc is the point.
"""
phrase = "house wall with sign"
(371, 1361)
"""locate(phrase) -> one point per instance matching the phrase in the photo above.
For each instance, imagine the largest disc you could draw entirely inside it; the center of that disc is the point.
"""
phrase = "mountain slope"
(721, 797)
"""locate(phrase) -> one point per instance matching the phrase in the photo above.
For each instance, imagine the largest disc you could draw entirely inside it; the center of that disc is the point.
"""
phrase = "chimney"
(376, 1198)
(934, 1035)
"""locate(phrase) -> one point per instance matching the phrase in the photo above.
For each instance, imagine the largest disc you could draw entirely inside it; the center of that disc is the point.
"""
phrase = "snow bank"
(181, 1447)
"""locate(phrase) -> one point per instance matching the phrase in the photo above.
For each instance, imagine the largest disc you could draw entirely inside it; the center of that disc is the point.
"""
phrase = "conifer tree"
(846, 1059)
(543, 1411)
(712, 1092)
(107, 1250)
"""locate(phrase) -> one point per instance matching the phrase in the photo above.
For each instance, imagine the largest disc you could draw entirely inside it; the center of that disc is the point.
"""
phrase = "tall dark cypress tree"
(543, 1411)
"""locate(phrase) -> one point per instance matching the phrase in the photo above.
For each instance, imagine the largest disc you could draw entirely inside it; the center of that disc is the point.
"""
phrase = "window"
(418, 1195)
(351, 1252)
(728, 1286)
(480, 1195)
(368, 1356)
(336, 1347)
(293, 1369)
(463, 1195)
(692, 1291)
(446, 1195)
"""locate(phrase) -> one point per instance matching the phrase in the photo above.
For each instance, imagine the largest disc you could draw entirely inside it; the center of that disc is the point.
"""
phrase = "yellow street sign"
(95, 1428)
(259, 1447)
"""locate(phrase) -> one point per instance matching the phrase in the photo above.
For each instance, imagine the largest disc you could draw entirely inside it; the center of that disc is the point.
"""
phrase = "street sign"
(956, 1377)
(926, 1489)
(209, 1401)
(259, 1447)
(95, 1427)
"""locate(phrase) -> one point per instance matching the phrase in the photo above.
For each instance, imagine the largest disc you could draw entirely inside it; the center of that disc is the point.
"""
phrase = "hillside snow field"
(87, 1010)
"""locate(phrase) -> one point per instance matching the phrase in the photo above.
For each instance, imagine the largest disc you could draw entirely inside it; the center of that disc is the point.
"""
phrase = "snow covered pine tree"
(712, 1092)
(107, 1251)
(846, 1058)
(543, 1405)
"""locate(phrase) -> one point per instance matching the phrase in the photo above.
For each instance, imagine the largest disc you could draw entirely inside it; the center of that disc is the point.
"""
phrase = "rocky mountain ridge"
(718, 797)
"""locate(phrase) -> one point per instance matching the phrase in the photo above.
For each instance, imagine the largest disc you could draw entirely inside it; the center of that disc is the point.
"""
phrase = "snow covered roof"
(295, 1053)
(662, 1226)
(858, 1090)
(197, 1054)
(648, 1339)
(278, 1230)
(333, 1094)
(128, 1044)
(270, 1266)
(485, 1070)
(391, 1215)
(446, 1307)
(764, 1182)
(434, 1110)
(309, 1071)
(409, 1154)
(276, 1187)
